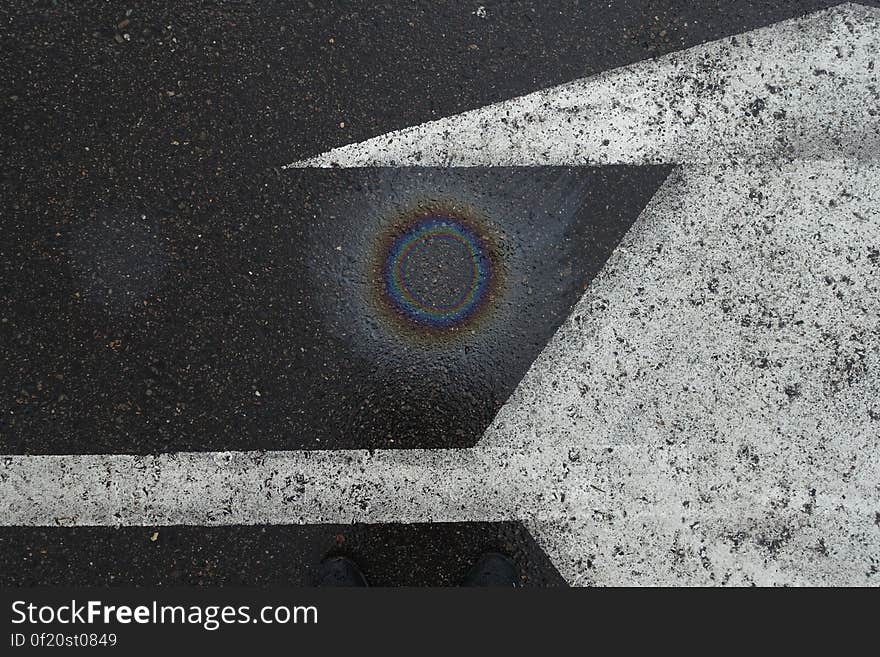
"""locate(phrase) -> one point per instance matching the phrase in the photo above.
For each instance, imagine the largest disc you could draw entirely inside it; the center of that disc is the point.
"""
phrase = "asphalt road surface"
(591, 284)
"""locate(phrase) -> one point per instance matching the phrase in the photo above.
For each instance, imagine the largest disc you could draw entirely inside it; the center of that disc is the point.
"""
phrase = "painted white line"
(708, 413)
(804, 88)
(735, 331)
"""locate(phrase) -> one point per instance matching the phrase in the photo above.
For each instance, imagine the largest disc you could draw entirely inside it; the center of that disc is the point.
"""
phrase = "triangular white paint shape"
(805, 88)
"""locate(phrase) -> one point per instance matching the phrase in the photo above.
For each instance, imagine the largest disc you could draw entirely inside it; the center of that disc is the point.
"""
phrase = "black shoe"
(339, 571)
(493, 569)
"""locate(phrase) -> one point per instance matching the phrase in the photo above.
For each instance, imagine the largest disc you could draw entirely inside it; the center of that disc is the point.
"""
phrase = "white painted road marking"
(710, 407)
(804, 88)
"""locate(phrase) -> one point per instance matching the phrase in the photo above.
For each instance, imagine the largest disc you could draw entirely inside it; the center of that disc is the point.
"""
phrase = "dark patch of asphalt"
(266, 327)
(388, 555)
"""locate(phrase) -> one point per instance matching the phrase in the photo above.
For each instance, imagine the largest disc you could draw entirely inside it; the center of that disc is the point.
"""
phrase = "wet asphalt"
(165, 286)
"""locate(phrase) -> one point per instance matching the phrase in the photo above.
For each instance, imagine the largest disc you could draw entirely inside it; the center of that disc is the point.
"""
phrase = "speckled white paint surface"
(728, 356)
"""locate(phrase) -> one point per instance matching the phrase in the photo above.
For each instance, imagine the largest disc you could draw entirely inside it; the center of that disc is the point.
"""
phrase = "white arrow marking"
(709, 412)
(804, 88)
